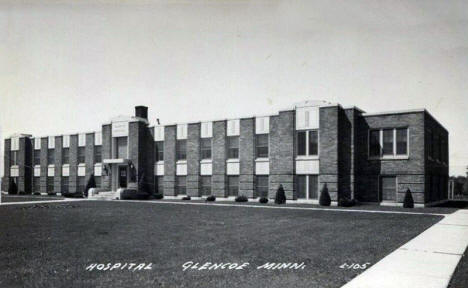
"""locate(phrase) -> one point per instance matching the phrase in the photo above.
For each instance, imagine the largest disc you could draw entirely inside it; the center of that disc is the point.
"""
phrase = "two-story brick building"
(373, 157)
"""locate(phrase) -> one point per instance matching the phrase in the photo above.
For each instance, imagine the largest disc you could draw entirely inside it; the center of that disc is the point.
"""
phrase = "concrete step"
(103, 195)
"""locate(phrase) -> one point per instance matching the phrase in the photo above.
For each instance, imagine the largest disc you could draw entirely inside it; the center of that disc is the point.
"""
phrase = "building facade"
(372, 157)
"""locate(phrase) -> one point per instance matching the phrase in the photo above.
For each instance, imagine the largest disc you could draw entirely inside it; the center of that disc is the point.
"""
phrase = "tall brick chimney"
(141, 111)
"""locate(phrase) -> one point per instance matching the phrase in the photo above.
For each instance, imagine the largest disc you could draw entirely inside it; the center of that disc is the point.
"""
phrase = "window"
(13, 158)
(65, 185)
(37, 185)
(181, 185)
(50, 156)
(160, 184)
(181, 150)
(66, 156)
(307, 143)
(121, 144)
(97, 154)
(388, 142)
(97, 179)
(388, 188)
(402, 141)
(37, 157)
(206, 185)
(50, 185)
(233, 185)
(159, 151)
(261, 186)
(81, 184)
(307, 186)
(81, 154)
(205, 148)
(261, 145)
(233, 147)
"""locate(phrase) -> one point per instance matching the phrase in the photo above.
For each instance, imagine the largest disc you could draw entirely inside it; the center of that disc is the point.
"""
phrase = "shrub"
(158, 196)
(325, 199)
(280, 197)
(12, 188)
(408, 201)
(346, 202)
(186, 198)
(241, 198)
(128, 194)
(263, 200)
(91, 184)
(211, 198)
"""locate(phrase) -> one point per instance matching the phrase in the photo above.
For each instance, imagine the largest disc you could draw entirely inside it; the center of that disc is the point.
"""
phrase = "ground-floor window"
(233, 185)
(97, 179)
(81, 184)
(181, 185)
(37, 184)
(307, 186)
(206, 185)
(261, 186)
(65, 185)
(160, 184)
(388, 188)
(50, 184)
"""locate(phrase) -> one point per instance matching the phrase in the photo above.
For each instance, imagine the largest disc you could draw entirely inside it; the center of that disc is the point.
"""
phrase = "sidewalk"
(427, 261)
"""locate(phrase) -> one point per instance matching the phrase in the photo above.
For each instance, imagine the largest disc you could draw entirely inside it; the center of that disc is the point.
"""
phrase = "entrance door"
(122, 176)
(388, 188)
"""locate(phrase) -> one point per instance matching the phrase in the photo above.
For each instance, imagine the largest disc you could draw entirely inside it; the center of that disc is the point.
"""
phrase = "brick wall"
(247, 157)
(58, 164)
(328, 149)
(218, 180)
(106, 152)
(169, 160)
(73, 178)
(146, 158)
(347, 127)
(6, 165)
(193, 159)
(89, 156)
(44, 147)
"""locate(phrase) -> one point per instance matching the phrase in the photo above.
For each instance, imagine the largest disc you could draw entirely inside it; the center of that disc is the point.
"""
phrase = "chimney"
(141, 111)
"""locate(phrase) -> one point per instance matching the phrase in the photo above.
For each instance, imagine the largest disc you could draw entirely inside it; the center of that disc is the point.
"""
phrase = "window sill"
(262, 159)
(14, 166)
(309, 157)
(233, 160)
(81, 164)
(383, 158)
(66, 165)
(51, 165)
(161, 162)
(206, 161)
(181, 162)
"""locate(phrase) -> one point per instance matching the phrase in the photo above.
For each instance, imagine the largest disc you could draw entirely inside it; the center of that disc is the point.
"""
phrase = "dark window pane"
(301, 187)
(205, 148)
(159, 151)
(81, 154)
(50, 156)
(65, 156)
(233, 184)
(37, 157)
(313, 143)
(388, 142)
(313, 186)
(97, 154)
(181, 149)
(181, 185)
(206, 185)
(233, 147)
(262, 146)
(402, 141)
(262, 186)
(374, 143)
(301, 143)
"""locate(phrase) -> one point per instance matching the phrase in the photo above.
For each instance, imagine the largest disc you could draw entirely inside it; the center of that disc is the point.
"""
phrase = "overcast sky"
(69, 67)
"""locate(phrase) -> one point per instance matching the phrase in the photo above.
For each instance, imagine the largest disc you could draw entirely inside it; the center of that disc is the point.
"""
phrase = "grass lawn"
(50, 247)
(25, 198)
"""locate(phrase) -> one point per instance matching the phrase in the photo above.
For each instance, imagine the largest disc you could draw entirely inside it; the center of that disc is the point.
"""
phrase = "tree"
(91, 184)
(408, 201)
(280, 197)
(325, 199)
(12, 188)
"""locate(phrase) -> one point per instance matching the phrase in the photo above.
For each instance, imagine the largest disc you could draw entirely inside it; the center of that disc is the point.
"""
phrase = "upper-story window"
(261, 145)
(388, 143)
(13, 158)
(307, 143)
(159, 150)
(50, 156)
(37, 157)
(81, 154)
(181, 150)
(205, 148)
(97, 154)
(233, 147)
(66, 156)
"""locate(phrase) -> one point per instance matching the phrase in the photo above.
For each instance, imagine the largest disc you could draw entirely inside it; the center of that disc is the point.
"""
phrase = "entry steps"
(98, 194)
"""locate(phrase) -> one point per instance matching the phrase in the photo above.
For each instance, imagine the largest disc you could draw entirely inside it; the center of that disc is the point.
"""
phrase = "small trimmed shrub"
(158, 196)
(408, 201)
(241, 198)
(346, 202)
(186, 198)
(12, 188)
(325, 199)
(211, 198)
(263, 200)
(280, 197)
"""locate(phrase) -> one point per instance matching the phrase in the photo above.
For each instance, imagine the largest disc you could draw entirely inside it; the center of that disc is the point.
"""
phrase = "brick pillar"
(6, 165)
(58, 164)
(282, 154)
(44, 147)
(328, 150)
(193, 160)
(247, 157)
(89, 155)
(218, 180)
(347, 144)
(133, 148)
(21, 169)
(73, 178)
(169, 159)
(106, 152)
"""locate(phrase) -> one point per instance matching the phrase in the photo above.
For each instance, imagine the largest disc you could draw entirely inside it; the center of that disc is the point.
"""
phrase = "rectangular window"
(388, 188)
(261, 144)
(37, 184)
(301, 143)
(160, 184)
(66, 156)
(181, 149)
(388, 142)
(233, 147)
(181, 185)
(159, 151)
(97, 179)
(65, 185)
(97, 154)
(313, 186)
(205, 145)
(261, 186)
(50, 156)
(50, 185)
(301, 186)
(13, 158)
(313, 142)
(233, 185)
(206, 185)
(374, 143)
(402, 141)
(37, 157)
(307, 143)
(81, 154)
(81, 184)
(121, 144)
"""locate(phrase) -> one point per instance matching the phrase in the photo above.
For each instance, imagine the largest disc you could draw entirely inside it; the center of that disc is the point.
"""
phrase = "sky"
(68, 66)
